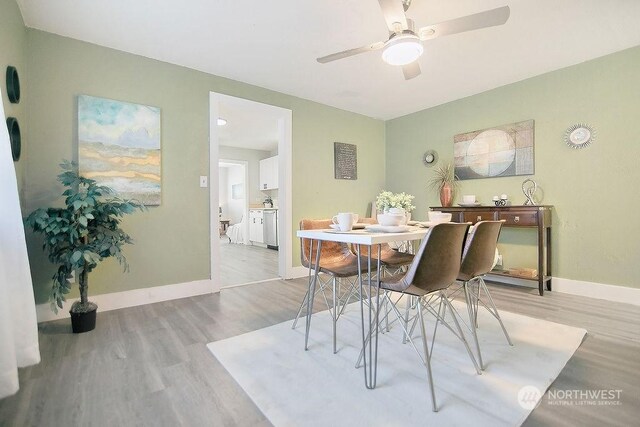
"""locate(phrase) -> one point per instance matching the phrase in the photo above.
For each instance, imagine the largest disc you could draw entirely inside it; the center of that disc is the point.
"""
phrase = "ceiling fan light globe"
(402, 50)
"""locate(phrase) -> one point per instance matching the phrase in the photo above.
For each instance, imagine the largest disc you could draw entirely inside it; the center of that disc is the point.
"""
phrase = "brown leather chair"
(434, 268)
(338, 262)
(390, 258)
(477, 261)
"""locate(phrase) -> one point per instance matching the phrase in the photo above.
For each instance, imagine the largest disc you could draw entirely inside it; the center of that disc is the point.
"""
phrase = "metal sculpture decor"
(529, 188)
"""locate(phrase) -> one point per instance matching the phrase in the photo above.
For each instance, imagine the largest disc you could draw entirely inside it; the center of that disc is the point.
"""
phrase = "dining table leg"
(370, 330)
(312, 289)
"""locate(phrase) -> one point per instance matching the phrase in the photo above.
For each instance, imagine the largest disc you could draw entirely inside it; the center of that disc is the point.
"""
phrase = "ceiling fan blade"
(489, 18)
(393, 11)
(350, 52)
(411, 70)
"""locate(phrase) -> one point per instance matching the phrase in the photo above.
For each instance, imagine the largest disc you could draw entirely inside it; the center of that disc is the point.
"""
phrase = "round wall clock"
(14, 137)
(430, 158)
(13, 85)
(579, 135)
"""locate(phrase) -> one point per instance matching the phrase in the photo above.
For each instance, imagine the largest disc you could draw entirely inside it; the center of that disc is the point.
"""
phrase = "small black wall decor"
(13, 85)
(14, 137)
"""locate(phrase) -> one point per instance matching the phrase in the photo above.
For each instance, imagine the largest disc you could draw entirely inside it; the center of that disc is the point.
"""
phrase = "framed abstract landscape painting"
(119, 146)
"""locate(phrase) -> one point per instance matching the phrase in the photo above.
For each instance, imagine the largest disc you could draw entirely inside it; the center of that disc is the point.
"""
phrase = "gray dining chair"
(477, 261)
(434, 268)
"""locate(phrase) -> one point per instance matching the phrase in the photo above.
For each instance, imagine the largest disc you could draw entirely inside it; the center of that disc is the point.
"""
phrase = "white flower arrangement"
(387, 199)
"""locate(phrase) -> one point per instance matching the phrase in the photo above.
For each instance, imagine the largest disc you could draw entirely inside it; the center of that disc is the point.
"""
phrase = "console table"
(538, 217)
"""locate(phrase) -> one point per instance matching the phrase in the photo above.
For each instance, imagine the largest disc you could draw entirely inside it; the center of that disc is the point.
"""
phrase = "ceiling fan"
(404, 45)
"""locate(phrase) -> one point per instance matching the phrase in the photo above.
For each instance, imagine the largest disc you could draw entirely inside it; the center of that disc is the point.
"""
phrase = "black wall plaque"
(13, 85)
(14, 137)
(345, 160)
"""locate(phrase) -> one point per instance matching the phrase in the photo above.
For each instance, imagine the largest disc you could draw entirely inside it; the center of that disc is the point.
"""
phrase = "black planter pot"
(83, 322)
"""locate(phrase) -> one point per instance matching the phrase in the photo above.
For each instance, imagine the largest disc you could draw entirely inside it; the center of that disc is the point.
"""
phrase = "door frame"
(285, 230)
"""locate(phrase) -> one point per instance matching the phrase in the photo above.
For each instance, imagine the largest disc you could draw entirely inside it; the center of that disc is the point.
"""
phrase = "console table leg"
(548, 234)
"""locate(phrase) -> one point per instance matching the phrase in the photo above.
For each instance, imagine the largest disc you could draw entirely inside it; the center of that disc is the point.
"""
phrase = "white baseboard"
(297, 272)
(132, 298)
(579, 287)
(597, 290)
(155, 294)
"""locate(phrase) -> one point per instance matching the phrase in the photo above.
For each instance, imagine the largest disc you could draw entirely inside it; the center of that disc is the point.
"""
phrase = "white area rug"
(293, 387)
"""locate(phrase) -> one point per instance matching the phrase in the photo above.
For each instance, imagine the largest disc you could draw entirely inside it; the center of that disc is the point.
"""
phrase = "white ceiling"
(248, 127)
(273, 44)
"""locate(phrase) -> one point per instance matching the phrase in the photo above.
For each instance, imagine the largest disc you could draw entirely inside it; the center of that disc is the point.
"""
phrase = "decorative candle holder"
(500, 201)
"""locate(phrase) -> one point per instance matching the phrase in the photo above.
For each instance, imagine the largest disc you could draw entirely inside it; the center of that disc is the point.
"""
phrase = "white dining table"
(357, 238)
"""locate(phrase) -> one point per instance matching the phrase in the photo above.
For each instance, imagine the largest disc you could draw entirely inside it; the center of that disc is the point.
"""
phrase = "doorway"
(231, 148)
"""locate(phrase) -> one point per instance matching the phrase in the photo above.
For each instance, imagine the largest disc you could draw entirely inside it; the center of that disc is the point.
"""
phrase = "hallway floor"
(246, 263)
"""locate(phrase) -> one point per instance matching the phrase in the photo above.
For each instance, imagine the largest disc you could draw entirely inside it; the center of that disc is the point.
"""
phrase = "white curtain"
(18, 324)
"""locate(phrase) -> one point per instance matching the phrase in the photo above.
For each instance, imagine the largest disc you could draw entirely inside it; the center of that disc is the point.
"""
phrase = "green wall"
(171, 241)
(13, 42)
(596, 234)
(595, 237)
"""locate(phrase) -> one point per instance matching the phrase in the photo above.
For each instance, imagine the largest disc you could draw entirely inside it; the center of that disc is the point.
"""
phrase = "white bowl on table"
(437, 217)
(391, 219)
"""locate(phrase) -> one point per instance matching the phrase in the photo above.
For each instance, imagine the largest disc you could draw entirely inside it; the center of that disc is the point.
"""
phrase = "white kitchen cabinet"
(269, 173)
(256, 225)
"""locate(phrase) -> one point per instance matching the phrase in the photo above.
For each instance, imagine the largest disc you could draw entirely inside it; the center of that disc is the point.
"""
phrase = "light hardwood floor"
(149, 365)
(246, 263)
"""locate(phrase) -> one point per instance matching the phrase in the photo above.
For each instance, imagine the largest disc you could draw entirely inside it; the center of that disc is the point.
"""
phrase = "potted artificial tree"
(79, 236)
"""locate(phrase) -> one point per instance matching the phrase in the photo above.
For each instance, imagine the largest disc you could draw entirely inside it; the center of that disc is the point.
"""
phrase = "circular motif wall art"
(579, 135)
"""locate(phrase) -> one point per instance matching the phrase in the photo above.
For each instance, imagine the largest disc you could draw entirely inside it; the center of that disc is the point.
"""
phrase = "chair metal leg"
(320, 288)
(427, 358)
(302, 306)
(493, 309)
(413, 305)
(474, 330)
(461, 336)
(439, 318)
(475, 301)
(312, 292)
(407, 307)
(386, 310)
(334, 316)
(306, 296)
